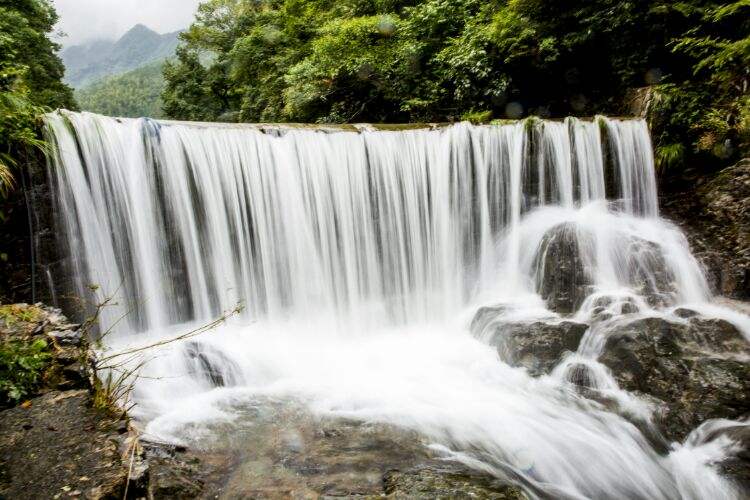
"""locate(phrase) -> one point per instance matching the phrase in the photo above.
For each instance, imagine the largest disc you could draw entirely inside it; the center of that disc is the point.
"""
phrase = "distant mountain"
(94, 60)
(132, 94)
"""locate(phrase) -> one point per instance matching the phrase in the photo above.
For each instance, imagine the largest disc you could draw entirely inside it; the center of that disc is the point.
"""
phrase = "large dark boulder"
(697, 368)
(537, 346)
(559, 269)
(563, 262)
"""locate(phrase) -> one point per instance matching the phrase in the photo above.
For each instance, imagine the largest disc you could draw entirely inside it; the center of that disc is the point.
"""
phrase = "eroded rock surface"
(281, 451)
(66, 346)
(699, 368)
(714, 212)
(566, 255)
(426, 483)
(561, 278)
(536, 346)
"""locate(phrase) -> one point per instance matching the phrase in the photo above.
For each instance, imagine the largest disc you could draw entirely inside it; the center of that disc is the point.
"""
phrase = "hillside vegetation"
(443, 60)
(133, 94)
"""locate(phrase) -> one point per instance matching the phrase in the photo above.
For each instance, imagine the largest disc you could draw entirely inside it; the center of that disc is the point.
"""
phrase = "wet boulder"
(173, 472)
(697, 367)
(647, 271)
(737, 466)
(561, 278)
(486, 318)
(567, 253)
(212, 365)
(537, 346)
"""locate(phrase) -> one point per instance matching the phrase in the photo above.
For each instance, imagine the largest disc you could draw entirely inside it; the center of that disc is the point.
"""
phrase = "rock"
(734, 439)
(425, 483)
(738, 466)
(170, 477)
(698, 368)
(484, 319)
(683, 312)
(559, 270)
(629, 308)
(212, 365)
(648, 273)
(561, 276)
(716, 220)
(72, 337)
(283, 451)
(65, 351)
(537, 346)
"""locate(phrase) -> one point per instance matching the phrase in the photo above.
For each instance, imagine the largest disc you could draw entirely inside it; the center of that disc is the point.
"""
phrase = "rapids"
(360, 258)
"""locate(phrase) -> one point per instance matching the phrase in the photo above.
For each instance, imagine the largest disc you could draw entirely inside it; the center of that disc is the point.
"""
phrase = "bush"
(22, 365)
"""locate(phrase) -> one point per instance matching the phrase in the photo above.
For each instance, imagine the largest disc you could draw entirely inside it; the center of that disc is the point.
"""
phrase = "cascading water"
(360, 257)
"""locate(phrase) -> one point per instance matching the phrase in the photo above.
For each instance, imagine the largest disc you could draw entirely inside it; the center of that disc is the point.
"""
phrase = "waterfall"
(357, 255)
(185, 221)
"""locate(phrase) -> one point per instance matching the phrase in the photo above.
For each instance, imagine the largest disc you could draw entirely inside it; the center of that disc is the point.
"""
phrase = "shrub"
(21, 367)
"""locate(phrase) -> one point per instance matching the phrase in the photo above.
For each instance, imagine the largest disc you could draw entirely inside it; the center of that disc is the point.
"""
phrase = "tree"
(30, 79)
(440, 60)
(711, 104)
(133, 94)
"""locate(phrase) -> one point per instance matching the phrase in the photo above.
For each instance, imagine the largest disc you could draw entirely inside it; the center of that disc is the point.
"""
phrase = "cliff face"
(30, 257)
(714, 212)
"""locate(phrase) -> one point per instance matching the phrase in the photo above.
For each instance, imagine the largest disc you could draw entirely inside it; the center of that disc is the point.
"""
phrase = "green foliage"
(21, 368)
(30, 79)
(442, 60)
(710, 108)
(668, 156)
(133, 94)
(477, 116)
(18, 115)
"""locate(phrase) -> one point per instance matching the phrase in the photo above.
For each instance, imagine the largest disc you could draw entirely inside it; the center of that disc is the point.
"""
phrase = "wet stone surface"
(537, 346)
(690, 369)
(560, 269)
(566, 253)
(281, 451)
(698, 368)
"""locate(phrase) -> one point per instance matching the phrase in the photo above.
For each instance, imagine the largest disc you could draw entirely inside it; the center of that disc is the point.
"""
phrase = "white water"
(360, 258)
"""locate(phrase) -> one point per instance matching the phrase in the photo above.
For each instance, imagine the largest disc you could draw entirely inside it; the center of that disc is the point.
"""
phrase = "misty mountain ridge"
(94, 60)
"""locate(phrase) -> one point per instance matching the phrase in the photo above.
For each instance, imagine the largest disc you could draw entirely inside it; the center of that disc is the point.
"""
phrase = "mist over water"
(361, 259)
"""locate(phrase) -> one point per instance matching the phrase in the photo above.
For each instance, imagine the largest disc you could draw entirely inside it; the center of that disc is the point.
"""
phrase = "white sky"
(84, 20)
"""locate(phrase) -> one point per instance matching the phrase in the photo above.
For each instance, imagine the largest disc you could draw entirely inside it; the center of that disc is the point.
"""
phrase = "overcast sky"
(84, 20)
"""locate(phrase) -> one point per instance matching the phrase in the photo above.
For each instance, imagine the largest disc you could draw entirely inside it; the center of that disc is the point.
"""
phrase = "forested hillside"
(444, 60)
(133, 94)
(88, 63)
